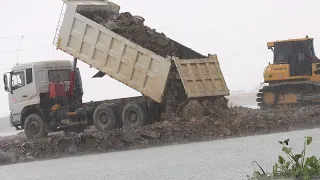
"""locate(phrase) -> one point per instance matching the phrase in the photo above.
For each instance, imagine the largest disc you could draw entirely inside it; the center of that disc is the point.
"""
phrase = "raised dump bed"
(126, 61)
(159, 68)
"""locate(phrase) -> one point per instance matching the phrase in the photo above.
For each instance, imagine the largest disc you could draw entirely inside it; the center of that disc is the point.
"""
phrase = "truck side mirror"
(6, 83)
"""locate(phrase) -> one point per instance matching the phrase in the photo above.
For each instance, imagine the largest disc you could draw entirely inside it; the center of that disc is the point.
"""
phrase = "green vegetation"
(296, 167)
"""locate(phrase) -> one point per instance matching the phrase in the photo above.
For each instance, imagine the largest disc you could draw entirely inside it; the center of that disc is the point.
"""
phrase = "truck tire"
(34, 127)
(105, 117)
(134, 115)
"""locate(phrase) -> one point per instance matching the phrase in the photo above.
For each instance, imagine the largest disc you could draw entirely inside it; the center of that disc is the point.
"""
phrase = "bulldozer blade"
(99, 75)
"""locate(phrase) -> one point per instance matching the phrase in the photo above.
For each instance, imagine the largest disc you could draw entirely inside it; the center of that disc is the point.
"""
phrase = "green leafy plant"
(297, 166)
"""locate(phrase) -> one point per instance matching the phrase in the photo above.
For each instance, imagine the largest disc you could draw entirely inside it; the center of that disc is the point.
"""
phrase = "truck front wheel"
(134, 115)
(105, 117)
(34, 127)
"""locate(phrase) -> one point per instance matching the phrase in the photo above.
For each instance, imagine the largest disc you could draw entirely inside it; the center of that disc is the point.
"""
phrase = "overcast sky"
(237, 31)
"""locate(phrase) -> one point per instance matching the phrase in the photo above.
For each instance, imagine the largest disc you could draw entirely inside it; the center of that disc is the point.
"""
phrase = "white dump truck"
(47, 96)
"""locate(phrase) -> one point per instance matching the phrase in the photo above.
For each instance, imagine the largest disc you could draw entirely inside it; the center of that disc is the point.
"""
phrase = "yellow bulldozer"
(294, 76)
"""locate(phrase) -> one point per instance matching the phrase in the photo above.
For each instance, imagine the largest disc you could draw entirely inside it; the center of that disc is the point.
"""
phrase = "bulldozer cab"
(298, 53)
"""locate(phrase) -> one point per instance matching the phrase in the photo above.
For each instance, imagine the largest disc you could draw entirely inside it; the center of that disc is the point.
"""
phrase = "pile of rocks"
(196, 124)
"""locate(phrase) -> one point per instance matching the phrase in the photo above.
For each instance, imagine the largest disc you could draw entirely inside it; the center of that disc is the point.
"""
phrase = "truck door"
(18, 95)
(23, 90)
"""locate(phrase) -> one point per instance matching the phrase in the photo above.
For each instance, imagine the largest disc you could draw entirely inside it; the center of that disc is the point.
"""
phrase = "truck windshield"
(59, 75)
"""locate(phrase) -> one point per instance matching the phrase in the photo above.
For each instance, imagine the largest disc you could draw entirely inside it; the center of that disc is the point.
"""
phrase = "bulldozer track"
(285, 94)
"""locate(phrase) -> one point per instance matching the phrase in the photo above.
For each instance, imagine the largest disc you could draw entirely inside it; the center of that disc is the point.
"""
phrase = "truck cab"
(28, 88)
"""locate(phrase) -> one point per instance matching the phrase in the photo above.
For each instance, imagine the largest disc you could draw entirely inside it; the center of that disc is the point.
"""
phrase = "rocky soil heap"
(195, 125)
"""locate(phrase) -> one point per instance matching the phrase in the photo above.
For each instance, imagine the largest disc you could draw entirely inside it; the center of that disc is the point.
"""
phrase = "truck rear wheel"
(134, 115)
(105, 117)
(34, 127)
